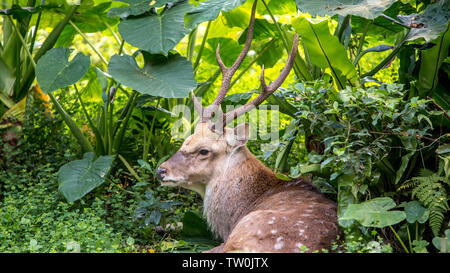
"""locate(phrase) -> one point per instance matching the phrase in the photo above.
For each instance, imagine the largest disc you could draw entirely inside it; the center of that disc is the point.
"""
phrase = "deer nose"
(160, 173)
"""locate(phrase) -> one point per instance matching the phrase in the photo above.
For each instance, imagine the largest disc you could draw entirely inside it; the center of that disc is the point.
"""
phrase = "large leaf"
(170, 77)
(79, 177)
(157, 33)
(326, 51)
(431, 62)
(6, 79)
(209, 10)
(136, 7)
(430, 23)
(55, 71)
(374, 213)
(365, 8)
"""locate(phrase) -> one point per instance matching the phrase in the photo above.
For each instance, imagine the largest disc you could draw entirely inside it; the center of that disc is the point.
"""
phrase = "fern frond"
(430, 191)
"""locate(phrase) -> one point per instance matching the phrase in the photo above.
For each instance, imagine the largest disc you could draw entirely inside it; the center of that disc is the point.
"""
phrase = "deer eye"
(203, 152)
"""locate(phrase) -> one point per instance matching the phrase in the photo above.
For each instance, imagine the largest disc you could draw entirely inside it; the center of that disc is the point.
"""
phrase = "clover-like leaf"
(374, 213)
(55, 71)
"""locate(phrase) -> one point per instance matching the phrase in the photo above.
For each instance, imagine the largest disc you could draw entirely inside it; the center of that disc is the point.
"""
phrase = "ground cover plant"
(95, 95)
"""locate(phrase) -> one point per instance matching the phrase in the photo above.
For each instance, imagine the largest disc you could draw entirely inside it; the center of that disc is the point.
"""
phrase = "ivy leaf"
(170, 77)
(374, 213)
(55, 71)
(79, 177)
(157, 33)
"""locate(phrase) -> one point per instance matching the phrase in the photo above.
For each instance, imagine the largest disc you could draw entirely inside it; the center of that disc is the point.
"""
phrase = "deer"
(244, 202)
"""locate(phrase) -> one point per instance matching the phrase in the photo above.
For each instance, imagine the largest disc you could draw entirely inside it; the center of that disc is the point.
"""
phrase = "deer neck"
(232, 192)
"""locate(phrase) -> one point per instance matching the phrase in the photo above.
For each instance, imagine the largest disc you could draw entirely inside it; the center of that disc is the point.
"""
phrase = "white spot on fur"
(273, 231)
(299, 223)
(279, 243)
(259, 232)
(270, 222)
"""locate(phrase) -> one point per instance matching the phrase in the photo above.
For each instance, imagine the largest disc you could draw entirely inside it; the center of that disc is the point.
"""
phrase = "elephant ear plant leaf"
(135, 7)
(79, 177)
(365, 8)
(170, 77)
(374, 213)
(55, 71)
(157, 33)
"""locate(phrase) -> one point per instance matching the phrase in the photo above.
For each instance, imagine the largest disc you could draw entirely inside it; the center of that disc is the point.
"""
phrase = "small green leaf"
(416, 213)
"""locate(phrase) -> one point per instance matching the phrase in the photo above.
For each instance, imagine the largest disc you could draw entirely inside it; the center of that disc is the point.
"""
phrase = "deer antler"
(227, 73)
(206, 114)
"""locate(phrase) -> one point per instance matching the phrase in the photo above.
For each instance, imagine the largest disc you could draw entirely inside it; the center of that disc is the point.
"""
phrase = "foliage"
(366, 113)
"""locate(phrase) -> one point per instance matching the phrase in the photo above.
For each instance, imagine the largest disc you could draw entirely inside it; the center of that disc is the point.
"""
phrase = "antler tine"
(266, 90)
(227, 73)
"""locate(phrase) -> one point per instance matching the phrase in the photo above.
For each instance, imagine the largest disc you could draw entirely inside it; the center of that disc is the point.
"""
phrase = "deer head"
(206, 153)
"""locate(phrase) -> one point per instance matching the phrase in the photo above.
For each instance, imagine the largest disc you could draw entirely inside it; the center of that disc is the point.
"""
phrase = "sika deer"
(244, 202)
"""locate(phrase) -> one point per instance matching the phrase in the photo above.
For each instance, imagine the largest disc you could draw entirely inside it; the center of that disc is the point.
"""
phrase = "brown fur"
(245, 203)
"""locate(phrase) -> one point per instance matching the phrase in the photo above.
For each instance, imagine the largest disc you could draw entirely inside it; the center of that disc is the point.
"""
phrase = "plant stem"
(266, 47)
(94, 128)
(386, 60)
(114, 35)
(284, 40)
(88, 42)
(84, 143)
(24, 44)
(191, 44)
(361, 43)
(202, 46)
(400, 240)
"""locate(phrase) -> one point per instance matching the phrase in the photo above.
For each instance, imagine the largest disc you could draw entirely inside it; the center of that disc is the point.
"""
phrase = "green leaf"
(157, 34)
(374, 213)
(325, 50)
(431, 62)
(6, 79)
(170, 77)
(403, 166)
(209, 10)
(430, 23)
(79, 177)
(443, 149)
(229, 51)
(55, 71)
(195, 229)
(136, 7)
(416, 213)
(365, 8)
(443, 243)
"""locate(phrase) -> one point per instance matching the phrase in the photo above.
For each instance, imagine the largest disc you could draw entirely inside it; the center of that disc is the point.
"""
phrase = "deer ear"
(239, 136)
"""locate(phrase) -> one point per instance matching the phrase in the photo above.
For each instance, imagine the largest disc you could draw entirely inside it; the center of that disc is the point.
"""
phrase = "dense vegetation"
(94, 95)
